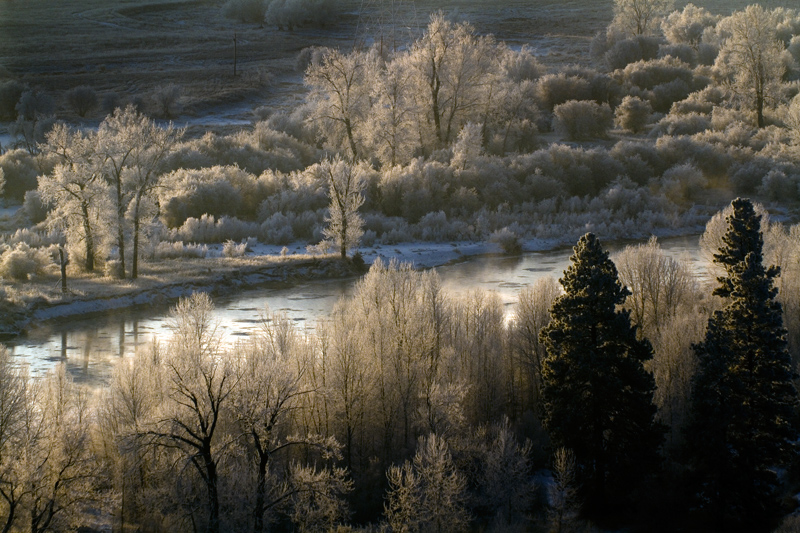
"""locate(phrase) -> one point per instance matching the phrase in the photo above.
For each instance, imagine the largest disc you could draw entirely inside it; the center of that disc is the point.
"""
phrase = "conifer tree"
(598, 398)
(743, 404)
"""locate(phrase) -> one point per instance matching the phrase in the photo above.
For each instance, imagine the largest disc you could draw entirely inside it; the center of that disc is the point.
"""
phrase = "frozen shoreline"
(265, 266)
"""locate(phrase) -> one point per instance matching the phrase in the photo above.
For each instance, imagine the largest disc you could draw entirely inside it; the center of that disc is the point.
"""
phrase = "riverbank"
(164, 282)
(159, 283)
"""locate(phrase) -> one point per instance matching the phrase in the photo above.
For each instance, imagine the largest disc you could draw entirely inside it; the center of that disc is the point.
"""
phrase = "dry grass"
(131, 46)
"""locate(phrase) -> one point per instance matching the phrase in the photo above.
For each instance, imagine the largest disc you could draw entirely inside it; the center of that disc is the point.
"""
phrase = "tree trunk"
(89, 240)
(349, 127)
(212, 486)
(261, 492)
(435, 86)
(120, 226)
(135, 259)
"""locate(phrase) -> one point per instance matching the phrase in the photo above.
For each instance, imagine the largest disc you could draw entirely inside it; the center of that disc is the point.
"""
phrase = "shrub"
(555, 89)
(687, 124)
(233, 249)
(777, 186)
(113, 269)
(522, 66)
(686, 27)
(82, 99)
(165, 100)
(22, 261)
(34, 104)
(682, 52)
(10, 93)
(179, 250)
(20, 170)
(627, 51)
(582, 120)
(633, 114)
(681, 183)
(509, 241)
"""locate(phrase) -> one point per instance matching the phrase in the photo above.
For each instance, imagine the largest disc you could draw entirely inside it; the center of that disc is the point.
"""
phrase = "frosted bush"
(666, 94)
(234, 249)
(179, 250)
(112, 268)
(509, 241)
(688, 25)
(436, 227)
(683, 52)
(521, 66)
(649, 74)
(582, 120)
(686, 124)
(207, 229)
(633, 114)
(369, 238)
(321, 248)
(554, 89)
(702, 101)
(777, 186)
(277, 229)
(34, 238)
(21, 261)
(627, 51)
(82, 99)
(711, 160)
(682, 183)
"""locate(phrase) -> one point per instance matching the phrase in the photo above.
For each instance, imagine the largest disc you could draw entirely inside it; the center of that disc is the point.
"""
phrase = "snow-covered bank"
(163, 282)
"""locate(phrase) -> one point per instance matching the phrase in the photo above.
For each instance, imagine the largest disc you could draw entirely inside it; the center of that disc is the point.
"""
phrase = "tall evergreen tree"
(598, 398)
(744, 402)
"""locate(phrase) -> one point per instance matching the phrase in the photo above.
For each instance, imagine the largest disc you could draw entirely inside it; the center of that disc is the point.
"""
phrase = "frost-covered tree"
(639, 17)
(13, 405)
(455, 72)
(133, 149)
(391, 121)
(346, 183)
(750, 57)
(659, 285)
(533, 314)
(77, 191)
(271, 384)
(340, 94)
(687, 26)
(198, 386)
(429, 493)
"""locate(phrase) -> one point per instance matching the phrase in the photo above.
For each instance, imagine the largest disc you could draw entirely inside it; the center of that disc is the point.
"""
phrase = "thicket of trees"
(450, 129)
(414, 409)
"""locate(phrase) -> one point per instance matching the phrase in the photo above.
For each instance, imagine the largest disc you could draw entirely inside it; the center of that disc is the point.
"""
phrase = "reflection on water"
(89, 346)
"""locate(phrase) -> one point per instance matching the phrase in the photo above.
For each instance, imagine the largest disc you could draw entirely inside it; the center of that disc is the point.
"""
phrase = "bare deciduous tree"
(340, 90)
(750, 57)
(639, 17)
(346, 183)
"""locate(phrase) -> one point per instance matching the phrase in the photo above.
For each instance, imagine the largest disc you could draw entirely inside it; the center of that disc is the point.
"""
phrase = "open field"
(129, 47)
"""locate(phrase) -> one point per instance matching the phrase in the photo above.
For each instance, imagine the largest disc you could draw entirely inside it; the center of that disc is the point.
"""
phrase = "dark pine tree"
(744, 403)
(597, 396)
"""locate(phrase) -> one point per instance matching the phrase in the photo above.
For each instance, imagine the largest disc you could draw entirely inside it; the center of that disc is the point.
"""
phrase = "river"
(89, 346)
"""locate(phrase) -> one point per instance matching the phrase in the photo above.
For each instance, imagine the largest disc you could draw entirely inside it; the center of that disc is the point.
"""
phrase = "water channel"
(90, 345)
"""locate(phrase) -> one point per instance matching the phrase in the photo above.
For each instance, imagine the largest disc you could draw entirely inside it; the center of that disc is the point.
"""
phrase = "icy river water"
(90, 346)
